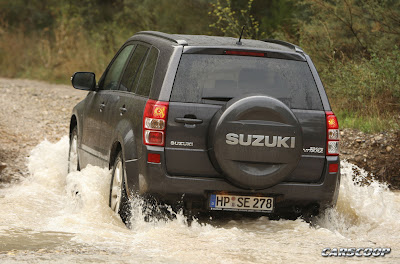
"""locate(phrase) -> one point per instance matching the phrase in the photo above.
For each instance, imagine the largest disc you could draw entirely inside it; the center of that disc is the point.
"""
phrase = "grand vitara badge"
(260, 140)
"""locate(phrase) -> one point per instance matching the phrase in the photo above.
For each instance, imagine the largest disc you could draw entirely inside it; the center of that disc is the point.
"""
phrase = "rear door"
(127, 106)
(137, 99)
(205, 83)
(108, 86)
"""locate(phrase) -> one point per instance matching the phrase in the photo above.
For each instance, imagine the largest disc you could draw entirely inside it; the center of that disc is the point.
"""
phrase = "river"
(43, 220)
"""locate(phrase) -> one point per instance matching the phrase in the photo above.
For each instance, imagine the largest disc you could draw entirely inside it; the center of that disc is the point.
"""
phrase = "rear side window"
(146, 78)
(132, 69)
(222, 77)
(112, 77)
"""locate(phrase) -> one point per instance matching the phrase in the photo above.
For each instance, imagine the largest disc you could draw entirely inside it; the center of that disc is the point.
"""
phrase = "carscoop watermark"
(357, 252)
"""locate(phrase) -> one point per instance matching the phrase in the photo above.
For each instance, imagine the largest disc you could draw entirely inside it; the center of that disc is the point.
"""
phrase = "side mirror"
(84, 81)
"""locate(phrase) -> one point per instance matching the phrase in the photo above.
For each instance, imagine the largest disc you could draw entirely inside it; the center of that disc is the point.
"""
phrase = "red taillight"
(244, 53)
(331, 121)
(333, 167)
(154, 122)
(154, 137)
(153, 158)
(332, 134)
(160, 111)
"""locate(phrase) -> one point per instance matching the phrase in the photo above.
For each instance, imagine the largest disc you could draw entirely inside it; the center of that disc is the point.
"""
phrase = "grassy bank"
(364, 95)
(368, 124)
(54, 56)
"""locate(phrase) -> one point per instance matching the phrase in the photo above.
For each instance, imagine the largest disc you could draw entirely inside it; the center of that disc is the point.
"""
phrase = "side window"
(114, 72)
(146, 78)
(133, 68)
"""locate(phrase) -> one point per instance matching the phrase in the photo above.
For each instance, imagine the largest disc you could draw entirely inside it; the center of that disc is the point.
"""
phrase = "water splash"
(74, 208)
(363, 210)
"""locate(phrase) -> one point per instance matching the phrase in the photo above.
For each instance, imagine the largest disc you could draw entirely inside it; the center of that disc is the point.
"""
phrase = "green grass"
(367, 124)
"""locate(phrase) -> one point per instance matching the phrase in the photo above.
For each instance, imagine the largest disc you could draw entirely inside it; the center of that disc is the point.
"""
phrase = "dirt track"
(378, 154)
(32, 111)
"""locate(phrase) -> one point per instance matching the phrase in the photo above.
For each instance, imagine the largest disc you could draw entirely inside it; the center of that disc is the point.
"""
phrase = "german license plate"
(241, 203)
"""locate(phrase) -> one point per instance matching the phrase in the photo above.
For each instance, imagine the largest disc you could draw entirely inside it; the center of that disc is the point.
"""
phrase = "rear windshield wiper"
(217, 98)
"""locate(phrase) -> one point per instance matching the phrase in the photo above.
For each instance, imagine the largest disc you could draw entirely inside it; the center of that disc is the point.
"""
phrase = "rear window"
(201, 78)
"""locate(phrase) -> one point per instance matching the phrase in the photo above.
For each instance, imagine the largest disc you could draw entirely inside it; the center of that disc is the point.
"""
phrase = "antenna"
(240, 38)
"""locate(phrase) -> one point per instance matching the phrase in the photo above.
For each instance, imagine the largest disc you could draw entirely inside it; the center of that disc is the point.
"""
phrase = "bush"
(54, 55)
(354, 43)
(370, 87)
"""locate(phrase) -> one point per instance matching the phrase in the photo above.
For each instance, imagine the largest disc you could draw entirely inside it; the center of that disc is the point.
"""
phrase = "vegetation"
(354, 43)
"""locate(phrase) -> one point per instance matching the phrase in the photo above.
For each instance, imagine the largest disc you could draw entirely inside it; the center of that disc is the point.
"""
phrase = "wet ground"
(43, 221)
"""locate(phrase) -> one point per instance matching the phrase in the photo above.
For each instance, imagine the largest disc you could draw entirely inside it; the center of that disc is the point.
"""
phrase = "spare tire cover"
(255, 141)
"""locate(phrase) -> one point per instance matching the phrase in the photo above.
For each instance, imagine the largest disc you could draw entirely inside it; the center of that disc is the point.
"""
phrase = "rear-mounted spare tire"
(255, 141)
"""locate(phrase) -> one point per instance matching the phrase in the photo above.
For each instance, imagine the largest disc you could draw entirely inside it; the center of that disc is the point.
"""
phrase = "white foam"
(77, 204)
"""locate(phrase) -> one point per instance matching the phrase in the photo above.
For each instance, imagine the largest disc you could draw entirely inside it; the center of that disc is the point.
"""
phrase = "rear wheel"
(119, 201)
(73, 161)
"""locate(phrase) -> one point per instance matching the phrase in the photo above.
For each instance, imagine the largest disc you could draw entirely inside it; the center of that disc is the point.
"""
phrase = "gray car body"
(101, 134)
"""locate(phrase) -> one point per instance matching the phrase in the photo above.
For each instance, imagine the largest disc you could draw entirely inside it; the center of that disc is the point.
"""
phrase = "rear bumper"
(151, 178)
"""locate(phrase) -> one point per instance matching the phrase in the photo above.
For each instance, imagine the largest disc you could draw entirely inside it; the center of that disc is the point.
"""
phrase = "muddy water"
(43, 220)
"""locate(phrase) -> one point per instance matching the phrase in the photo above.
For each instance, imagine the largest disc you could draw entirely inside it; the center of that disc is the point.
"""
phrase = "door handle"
(102, 106)
(190, 121)
(122, 110)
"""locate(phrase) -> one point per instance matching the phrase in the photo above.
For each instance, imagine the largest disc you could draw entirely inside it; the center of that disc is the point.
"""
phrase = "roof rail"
(164, 36)
(284, 43)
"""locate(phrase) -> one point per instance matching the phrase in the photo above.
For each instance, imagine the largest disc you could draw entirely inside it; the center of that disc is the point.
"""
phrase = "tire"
(73, 160)
(119, 201)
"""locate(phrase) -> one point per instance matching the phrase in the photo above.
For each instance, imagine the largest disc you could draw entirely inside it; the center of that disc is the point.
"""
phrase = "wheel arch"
(127, 140)
(76, 119)
(73, 123)
(115, 149)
